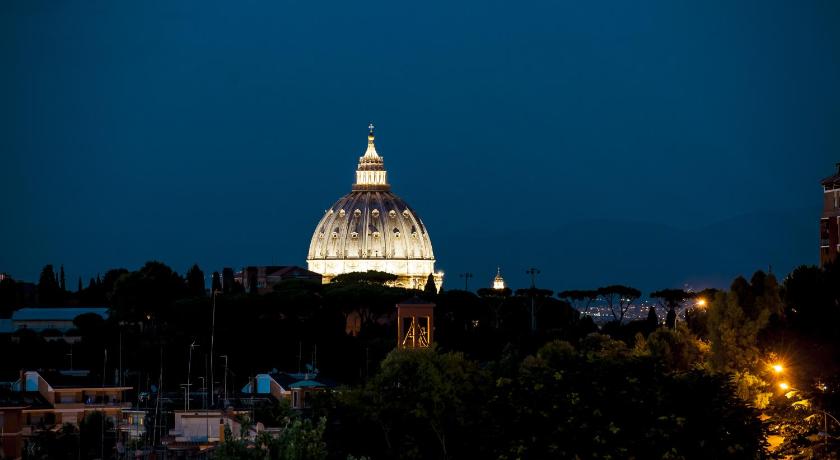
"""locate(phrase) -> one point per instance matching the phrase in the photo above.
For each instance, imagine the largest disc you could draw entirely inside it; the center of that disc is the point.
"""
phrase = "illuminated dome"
(372, 229)
(498, 281)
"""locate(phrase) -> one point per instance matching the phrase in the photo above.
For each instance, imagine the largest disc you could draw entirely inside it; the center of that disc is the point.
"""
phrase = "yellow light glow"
(701, 302)
(784, 386)
(777, 368)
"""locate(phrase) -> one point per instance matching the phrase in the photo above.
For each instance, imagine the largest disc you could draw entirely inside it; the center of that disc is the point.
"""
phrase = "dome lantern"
(371, 174)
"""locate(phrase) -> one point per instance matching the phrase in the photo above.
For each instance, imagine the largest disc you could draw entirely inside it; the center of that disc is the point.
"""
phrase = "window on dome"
(354, 235)
(321, 235)
(405, 213)
(334, 235)
(392, 214)
(341, 213)
(357, 213)
(375, 213)
(376, 234)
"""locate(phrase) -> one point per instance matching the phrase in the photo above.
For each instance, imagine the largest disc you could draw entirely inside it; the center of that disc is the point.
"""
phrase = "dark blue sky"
(654, 143)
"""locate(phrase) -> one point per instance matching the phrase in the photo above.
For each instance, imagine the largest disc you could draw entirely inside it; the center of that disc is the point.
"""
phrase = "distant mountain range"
(595, 252)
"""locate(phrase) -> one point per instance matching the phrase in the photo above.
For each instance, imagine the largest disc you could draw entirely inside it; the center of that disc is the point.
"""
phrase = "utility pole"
(466, 277)
(189, 369)
(533, 272)
(224, 402)
(212, 341)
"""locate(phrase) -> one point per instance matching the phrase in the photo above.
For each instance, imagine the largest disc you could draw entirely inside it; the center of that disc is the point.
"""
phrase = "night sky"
(651, 143)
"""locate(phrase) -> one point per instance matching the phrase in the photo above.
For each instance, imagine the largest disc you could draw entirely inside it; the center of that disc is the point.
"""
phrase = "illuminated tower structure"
(498, 281)
(415, 324)
(371, 228)
(830, 222)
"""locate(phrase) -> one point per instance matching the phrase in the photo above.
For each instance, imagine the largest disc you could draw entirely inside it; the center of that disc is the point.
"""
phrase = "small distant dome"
(498, 281)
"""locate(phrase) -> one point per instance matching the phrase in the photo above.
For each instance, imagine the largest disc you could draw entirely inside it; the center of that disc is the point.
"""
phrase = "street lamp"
(466, 277)
(777, 368)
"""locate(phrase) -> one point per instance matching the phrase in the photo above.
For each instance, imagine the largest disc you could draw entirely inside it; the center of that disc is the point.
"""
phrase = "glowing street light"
(777, 368)
(701, 302)
(784, 386)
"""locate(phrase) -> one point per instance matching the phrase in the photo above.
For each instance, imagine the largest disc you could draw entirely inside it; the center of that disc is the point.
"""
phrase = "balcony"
(69, 405)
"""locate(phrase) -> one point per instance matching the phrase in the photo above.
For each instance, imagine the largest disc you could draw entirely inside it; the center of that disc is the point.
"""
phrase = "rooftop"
(56, 313)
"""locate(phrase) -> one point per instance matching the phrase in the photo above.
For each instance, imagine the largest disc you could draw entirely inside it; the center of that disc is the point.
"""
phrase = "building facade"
(830, 221)
(261, 279)
(371, 228)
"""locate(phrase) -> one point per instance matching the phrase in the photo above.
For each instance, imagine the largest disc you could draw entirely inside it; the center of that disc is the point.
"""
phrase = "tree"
(652, 318)
(421, 404)
(48, 288)
(735, 320)
(216, 284)
(368, 277)
(430, 290)
(148, 293)
(599, 402)
(671, 299)
(93, 434)
(62, 280)
(8, 297)
(227, 280)
(580, 299)
(195, 281)
(619, 299)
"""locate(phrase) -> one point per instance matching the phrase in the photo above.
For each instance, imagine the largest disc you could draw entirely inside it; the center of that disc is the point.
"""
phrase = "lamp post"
(189, 370)
(212, 342)
(466, 276)
(225, 401)
(533, 272)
